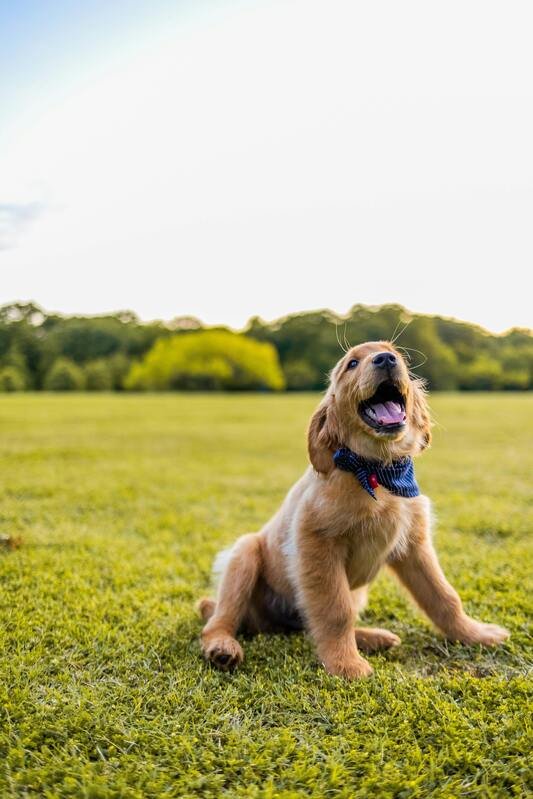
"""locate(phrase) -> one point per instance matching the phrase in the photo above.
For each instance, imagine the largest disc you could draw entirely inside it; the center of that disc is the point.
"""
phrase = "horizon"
(342, 316)
(159, 157)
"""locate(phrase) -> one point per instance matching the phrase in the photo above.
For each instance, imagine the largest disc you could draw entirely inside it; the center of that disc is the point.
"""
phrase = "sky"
(225, 159)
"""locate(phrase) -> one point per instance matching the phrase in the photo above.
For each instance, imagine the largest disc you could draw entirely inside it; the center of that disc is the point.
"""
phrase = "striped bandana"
(399, 478)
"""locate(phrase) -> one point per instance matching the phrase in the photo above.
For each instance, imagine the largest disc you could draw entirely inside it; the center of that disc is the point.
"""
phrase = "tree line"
(118, 352)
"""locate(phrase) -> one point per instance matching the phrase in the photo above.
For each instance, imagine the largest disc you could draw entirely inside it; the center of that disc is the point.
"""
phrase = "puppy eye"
(352, 364)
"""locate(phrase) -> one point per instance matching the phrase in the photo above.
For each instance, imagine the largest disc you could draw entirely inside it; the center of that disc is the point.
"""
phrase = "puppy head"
(373, 406)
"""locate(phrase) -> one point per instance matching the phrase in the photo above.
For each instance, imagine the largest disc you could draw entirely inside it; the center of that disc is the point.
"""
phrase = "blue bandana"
(398, 478)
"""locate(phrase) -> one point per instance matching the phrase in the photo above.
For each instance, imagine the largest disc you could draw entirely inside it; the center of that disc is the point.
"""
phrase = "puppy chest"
(369, 544)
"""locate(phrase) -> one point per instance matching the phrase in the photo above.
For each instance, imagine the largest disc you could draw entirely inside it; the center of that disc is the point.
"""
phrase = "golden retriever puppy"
(356, 508)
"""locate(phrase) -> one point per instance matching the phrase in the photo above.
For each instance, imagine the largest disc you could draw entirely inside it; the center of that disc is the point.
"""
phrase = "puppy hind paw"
(371, 639)
(206, 607)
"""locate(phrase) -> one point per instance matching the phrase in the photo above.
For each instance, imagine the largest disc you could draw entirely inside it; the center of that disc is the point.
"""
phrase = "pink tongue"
(389, 412)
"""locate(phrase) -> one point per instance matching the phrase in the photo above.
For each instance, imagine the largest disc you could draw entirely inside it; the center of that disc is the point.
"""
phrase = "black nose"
(384, 360)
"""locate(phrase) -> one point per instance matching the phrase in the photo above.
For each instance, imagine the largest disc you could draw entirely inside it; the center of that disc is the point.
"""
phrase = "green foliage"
(39, 339)
(448, 353)
(122, 503)
(516, 380)
(481, 374)
(98, 375)
(64, 375)
(207, 360)
(119, 365)
(16, 365)
(12, 379)
(299, 374)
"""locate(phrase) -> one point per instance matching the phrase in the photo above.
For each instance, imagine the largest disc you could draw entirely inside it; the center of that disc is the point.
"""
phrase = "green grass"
(121, 503)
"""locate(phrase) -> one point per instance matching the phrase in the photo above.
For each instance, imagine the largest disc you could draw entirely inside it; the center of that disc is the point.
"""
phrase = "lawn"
(121, 502)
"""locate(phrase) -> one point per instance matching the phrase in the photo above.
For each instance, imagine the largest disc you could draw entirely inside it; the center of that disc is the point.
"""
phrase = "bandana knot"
(398, 478)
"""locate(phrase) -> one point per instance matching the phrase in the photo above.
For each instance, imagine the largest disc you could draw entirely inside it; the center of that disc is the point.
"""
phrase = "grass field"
(122, 501)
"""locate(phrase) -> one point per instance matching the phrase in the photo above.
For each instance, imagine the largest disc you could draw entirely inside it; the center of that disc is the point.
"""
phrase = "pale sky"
(228, 158)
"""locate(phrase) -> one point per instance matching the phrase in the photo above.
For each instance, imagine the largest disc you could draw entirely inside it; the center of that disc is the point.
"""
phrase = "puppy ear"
(323, 435)
(421, 417)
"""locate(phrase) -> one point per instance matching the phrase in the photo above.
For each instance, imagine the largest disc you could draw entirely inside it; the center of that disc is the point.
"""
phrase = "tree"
(208, 360)
(119, 365)
(448, 353)
(14, 359)
(300, 374)
(483, 374)
(98, 376)
(12, 379)
(64, 375)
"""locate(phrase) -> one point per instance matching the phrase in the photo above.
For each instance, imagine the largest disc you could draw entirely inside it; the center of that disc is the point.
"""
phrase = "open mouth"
(384, 410)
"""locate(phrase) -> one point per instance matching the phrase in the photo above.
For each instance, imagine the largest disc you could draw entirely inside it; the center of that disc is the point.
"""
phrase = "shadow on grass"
(422, 653)
(425, 654)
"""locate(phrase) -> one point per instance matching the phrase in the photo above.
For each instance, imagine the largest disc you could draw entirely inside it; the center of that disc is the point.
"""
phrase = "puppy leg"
(238, 581)
(420, 571)
(328, 605)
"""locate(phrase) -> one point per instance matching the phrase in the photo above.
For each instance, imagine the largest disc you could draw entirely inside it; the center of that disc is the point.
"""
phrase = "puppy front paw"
(353, 669)
(476, 632)
(223, 651)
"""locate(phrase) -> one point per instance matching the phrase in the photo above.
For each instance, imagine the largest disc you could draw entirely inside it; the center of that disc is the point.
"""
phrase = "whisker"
(346, 342)
(416, 366)
(407, 350)
(392, 339)
(338, 339)
(412, 349)
(396, 335)
(407, 356)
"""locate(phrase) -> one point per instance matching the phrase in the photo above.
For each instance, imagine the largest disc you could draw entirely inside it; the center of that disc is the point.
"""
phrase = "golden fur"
(311, 564)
